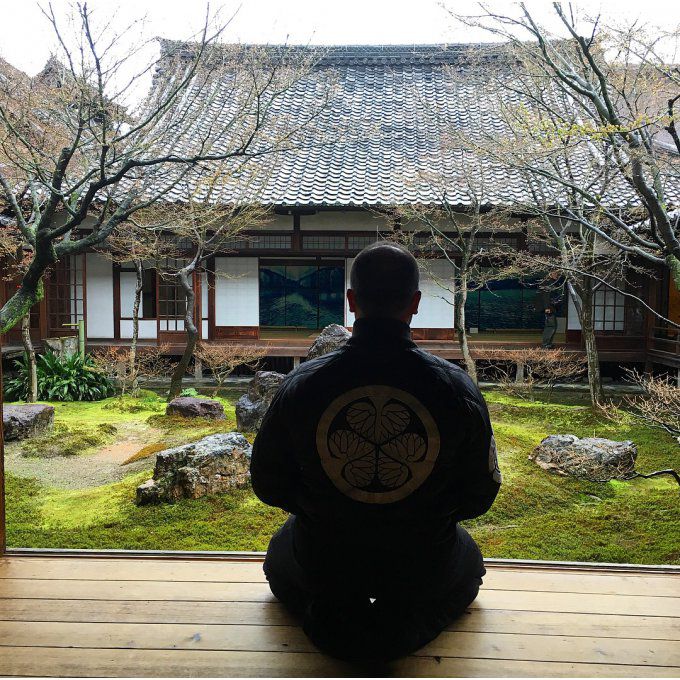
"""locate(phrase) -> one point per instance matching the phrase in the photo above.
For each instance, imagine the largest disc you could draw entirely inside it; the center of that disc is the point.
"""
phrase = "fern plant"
(69, 379)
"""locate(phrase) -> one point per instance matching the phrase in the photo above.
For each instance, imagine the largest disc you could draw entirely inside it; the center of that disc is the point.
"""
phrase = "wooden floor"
(67, 616)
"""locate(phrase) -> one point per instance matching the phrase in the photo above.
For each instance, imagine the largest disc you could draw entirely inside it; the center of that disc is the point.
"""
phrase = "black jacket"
(378, 448)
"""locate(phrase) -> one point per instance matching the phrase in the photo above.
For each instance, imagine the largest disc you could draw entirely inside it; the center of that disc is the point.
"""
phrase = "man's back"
(379, 449)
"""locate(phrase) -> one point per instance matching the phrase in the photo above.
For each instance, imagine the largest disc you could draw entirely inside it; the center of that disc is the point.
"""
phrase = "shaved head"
(384, 279)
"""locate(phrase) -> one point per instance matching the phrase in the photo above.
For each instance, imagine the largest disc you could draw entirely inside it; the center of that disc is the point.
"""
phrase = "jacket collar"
(375, 331)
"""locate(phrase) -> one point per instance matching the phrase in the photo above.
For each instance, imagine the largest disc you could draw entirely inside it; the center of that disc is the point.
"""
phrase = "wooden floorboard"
(69, 616)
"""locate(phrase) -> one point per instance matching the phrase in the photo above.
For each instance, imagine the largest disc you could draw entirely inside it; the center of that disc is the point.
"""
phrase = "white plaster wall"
(99, 291)
(128, 281)
(436, 286)
(237, 300)
(573, 324)
(147, 329)
(204, 306)
(342, 220)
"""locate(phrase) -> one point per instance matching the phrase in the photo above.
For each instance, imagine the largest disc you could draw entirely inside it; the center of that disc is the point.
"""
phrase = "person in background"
(549, 327)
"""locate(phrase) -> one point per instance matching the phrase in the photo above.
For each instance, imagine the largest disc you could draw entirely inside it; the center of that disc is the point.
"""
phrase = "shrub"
(189, 392)
(70, 379)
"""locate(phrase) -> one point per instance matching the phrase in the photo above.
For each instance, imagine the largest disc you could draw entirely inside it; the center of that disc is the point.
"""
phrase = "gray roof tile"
(393, 141)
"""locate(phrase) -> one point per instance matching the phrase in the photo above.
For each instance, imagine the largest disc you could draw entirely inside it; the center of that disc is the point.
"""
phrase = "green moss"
(146, 452)
(63, 440)
(105, 517)
(537, 515)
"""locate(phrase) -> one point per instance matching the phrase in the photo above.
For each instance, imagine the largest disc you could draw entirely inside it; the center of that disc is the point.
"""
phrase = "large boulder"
(252, 406)
(592, 458)
(214, 464)
(331, 338)
(191, 407)
(26, 420)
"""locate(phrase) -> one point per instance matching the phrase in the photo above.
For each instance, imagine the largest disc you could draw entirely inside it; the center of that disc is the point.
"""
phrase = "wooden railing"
(665, 340)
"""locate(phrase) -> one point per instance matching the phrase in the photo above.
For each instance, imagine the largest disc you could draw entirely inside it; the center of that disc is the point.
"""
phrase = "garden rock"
(252, 406)
(191, 407)
(331, 338)
(65, 347)
(215, 464)
(592, 458)
(26, 420)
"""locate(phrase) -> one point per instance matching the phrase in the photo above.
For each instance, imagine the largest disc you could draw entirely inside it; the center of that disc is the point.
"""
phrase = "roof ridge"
(387, 53)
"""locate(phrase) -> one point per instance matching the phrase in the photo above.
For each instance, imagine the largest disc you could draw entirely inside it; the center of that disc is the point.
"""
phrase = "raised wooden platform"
(87, 616)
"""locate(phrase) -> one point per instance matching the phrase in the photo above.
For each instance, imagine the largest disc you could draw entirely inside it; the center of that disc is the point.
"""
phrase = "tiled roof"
(386, 129)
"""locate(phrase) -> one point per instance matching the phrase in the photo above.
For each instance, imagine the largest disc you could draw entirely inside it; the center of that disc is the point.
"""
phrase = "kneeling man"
(377, 451)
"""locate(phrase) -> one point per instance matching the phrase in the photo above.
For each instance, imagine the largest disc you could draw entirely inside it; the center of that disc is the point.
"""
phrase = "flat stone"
(215, 464)
(252, 406)
(191, 407)
(592, 458)
(332, 337)
(20, 421)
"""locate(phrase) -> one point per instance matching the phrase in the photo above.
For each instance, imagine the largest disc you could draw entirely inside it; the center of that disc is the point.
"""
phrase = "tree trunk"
(585, 314)
(459, 300)
(132, 359)
(674, 269)
(20, 304)
(32, 391)
(186, 281)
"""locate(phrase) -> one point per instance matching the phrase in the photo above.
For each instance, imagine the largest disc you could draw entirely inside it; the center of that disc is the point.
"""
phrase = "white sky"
(26, 39)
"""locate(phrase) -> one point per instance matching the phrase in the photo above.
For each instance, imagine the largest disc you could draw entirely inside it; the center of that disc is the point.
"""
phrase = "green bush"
(189, 392)
(70, 379)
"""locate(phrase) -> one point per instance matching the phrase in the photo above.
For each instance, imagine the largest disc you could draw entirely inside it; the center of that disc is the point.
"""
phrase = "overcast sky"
(26, 40)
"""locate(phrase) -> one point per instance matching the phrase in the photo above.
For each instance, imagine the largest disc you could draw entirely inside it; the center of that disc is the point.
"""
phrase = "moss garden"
(74, 487)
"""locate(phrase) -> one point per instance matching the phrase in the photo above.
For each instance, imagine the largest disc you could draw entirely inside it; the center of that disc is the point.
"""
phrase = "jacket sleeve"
(480, 474)
(273, 470)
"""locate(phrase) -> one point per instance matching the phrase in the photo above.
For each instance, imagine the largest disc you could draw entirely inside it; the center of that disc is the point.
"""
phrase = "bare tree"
(540, 368)
(14, 261)
(222, 359)
(573, 255)
(658, 405)
(202, 226)
(563, 172)
(139, 242)
(75, 164)
(443, 232)
(610, 91)
(131, 369)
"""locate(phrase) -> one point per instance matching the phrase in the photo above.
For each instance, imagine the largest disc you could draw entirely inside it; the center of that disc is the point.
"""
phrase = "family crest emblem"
(377, 444)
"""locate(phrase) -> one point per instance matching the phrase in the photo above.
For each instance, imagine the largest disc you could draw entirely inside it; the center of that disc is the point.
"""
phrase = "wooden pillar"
(296, 362)
(296, 244)
(519, 373)
(198, 368)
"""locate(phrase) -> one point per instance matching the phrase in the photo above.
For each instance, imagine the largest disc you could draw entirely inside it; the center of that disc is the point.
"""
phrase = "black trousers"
(345, 619)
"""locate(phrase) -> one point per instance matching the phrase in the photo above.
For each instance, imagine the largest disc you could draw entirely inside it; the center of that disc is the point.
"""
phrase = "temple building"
(282, 282)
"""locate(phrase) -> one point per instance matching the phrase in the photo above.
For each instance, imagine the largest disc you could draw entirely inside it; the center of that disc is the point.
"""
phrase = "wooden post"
(198, 368)
(296, 362)
(519, 373)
